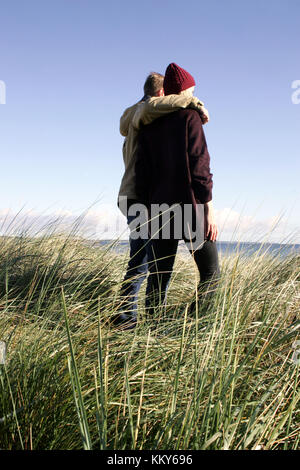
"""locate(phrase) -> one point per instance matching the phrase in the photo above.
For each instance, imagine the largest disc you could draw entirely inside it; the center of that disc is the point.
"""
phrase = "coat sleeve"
(157, 107)
(124, 123)
(141, 171)
(199, 160)
(126, 119)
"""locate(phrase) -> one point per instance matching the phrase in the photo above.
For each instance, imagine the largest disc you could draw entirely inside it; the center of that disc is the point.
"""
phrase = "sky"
(69, 68)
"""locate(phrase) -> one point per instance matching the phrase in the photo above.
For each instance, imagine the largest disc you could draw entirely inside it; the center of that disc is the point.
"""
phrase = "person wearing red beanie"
(173, 169)
(177, 80)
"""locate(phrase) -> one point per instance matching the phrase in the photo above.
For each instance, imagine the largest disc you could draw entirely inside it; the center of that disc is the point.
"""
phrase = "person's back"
(175, 167)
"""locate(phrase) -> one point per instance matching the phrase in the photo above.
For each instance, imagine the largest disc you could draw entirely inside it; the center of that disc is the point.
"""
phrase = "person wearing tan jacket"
(152, 106)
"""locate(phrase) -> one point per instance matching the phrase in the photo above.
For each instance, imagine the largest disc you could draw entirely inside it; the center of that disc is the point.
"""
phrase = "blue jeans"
(136, 273)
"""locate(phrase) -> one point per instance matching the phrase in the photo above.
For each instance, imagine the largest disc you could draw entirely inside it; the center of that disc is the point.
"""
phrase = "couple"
(167, 172)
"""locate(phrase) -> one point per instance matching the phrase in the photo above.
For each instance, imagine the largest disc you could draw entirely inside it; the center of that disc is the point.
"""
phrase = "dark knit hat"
(177, 80)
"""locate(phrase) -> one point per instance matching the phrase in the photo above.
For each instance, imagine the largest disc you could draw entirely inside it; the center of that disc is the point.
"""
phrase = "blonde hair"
(188, 91)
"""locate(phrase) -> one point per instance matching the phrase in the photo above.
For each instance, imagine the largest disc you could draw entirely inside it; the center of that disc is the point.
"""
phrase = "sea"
(225, 248)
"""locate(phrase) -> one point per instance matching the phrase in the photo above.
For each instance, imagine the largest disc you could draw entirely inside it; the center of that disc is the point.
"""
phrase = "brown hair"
(154, 82)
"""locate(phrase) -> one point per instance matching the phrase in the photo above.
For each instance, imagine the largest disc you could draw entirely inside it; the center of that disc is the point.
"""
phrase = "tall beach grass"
(226, 377)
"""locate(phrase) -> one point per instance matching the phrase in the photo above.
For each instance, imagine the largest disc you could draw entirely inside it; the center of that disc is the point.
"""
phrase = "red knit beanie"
(177, 80)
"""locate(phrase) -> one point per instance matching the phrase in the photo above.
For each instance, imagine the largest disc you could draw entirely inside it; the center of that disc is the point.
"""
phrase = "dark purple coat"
(173, 163)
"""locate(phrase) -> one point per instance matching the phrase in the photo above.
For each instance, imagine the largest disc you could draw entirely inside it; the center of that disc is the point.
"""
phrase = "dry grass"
(223, 379)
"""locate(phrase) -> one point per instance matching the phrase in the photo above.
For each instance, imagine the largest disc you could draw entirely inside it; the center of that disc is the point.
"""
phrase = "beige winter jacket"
(144, 113)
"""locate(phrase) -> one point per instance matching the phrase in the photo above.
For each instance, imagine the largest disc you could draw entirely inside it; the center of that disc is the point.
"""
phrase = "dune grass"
(224, 378)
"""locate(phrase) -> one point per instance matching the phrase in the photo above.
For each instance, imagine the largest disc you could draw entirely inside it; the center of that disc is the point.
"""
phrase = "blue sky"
(72, 66)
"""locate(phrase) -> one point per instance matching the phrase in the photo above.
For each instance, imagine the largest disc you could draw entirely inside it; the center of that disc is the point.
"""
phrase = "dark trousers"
(161, 266)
